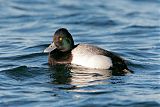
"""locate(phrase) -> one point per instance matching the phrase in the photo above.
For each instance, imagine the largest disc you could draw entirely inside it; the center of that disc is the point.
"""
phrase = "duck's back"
(84, 49)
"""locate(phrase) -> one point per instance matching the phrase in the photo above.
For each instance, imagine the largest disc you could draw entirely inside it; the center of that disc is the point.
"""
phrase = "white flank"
(92, 61)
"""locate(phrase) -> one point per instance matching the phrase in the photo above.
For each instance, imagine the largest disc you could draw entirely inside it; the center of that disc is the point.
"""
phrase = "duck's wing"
(119, 64)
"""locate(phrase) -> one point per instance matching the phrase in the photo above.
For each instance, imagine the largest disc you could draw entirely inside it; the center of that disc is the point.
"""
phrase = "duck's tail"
(127, 71)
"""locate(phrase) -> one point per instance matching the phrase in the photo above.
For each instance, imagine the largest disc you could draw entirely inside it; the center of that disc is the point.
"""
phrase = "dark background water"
(130, 28)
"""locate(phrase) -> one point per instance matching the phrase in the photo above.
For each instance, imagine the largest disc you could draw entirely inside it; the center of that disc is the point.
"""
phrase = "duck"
(62, 50)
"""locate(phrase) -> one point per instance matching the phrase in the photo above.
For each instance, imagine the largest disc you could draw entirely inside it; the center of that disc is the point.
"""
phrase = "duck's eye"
(60, 38)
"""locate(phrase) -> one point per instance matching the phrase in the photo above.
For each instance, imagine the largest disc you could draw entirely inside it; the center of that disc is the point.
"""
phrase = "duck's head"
(62, 40)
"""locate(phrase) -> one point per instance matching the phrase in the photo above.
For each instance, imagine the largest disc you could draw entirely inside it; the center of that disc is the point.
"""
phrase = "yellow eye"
(60, 38)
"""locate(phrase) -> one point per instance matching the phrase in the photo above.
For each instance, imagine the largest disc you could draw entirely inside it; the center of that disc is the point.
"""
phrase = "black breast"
(58, 57)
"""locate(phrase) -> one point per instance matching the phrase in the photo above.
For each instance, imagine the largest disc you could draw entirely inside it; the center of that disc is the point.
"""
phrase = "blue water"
(131, 28)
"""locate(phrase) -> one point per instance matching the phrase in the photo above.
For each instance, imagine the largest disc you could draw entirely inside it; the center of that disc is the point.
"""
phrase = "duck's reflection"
(78, 76)
(60, 74)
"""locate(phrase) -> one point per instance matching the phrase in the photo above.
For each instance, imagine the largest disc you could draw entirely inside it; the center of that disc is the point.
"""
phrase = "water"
(130, 28)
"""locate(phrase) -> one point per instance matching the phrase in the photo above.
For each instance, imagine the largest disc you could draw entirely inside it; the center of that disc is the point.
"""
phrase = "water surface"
(129, 27)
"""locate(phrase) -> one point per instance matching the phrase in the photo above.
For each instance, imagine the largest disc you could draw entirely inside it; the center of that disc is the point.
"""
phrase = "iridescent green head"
(62, 40)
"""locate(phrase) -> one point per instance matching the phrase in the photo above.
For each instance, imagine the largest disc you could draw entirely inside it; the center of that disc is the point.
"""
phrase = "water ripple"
(130, 28)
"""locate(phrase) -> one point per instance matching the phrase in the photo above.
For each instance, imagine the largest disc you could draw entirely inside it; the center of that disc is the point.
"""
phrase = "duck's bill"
(50, 48)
